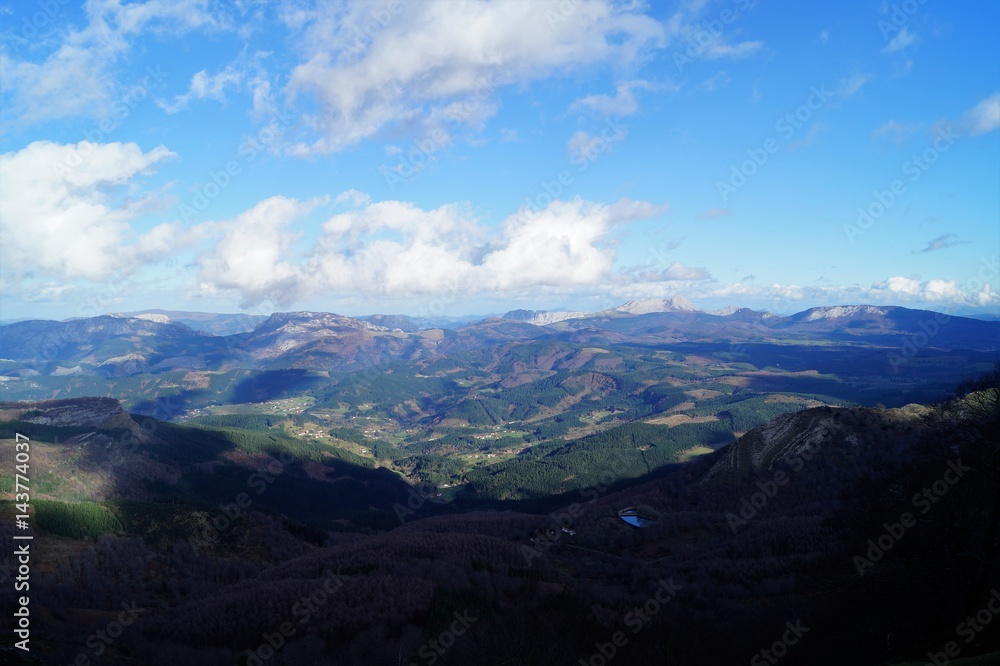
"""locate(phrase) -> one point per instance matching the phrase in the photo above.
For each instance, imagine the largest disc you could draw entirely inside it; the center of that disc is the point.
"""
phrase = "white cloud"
(61, 213)
(935, 291)
(50, 293)
(938, 293)
(205, 86)
(435, 53)
(899, 285)
(395, 249)
(984, 117)
(679, 271)
(717, 49)
(943, 290)
(77, 78)
(353, 198)
(623, 103)
(253, 252)
(245, 71)
(584, 146)
(903, 40)
(580, 143)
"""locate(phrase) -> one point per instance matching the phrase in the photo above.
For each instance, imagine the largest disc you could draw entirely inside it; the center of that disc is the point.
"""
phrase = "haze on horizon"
(452, 157)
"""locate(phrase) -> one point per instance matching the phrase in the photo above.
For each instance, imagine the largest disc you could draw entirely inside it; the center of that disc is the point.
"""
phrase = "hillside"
(787, 524)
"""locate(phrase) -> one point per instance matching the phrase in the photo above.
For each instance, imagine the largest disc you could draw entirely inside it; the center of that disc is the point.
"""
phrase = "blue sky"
(449, 156)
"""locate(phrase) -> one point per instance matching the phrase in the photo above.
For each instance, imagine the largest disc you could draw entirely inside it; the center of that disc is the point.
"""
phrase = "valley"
(508, 471)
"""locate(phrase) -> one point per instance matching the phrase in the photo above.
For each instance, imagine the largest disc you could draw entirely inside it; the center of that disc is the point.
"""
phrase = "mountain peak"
(309, 319)
(543, 317)
(842, 311)
(648, 305)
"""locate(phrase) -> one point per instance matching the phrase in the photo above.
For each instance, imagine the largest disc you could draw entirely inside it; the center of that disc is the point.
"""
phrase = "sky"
(430, 157)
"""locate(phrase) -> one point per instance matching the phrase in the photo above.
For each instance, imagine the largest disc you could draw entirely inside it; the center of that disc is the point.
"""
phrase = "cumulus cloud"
(253, 252)
(900, 285)
(934, 291)
(64, 214)
(395, 248)
(434, 53)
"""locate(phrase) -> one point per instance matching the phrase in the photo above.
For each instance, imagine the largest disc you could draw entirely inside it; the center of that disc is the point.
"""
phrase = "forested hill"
(851, 524)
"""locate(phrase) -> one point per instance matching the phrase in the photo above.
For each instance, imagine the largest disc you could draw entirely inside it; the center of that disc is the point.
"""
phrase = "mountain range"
(158, 341)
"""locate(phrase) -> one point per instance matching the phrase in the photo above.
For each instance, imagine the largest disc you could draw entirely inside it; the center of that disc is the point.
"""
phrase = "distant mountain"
(745, 314)
(919, 327)
(410, 324)
(107, 345)
(543, 317)
(209, 322)
(393, 322)
(635, 307)
(648, 305)
(321, 340)
(122, 345)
